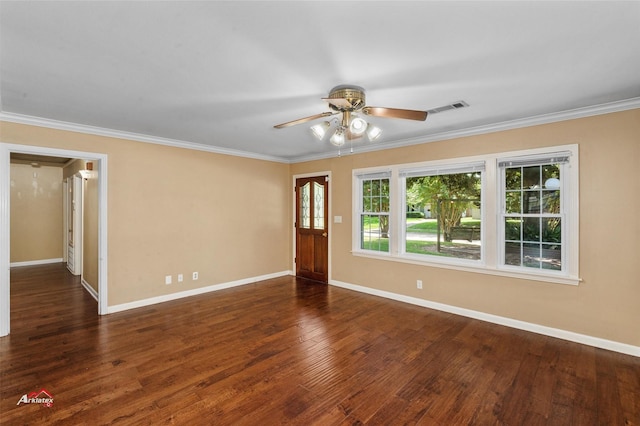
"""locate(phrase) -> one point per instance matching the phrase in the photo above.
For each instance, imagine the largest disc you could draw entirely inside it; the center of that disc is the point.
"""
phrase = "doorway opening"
(87, 177)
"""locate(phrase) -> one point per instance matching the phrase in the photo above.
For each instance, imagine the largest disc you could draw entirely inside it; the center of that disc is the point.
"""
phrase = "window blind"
(375, 175)
(444, 169)
(532, 160)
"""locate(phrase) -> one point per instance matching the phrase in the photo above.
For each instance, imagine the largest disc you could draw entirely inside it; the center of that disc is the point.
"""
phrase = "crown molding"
(573, 114)
(611, 107)
(101, 131)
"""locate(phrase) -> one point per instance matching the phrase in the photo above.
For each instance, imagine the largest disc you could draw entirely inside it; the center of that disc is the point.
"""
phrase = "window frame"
(438, 169)
(492, 224)
(359, 212)
(567, 161)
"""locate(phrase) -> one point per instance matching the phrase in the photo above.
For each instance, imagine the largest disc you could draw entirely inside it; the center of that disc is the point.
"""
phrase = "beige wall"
(176, 211)
(173, 210)
(604, 305)
(36, 213)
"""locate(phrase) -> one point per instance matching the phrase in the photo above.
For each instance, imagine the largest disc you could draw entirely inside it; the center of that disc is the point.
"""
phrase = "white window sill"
(478, 267)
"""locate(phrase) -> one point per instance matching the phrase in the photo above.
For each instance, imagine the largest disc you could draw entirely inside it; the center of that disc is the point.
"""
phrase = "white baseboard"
(495, 319)
(187, 293)
(35, 262)
(89, 289)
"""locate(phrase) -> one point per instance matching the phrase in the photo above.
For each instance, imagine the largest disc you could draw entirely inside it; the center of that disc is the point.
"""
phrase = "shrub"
(415, 215)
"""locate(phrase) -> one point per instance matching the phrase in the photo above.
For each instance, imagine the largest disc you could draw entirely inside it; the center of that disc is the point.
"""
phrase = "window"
(513, 214)
(443, 211)
(533, 211)
(374, 212)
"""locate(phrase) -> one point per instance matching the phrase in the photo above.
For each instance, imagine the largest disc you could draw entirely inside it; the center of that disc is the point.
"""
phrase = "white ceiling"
(221, 74)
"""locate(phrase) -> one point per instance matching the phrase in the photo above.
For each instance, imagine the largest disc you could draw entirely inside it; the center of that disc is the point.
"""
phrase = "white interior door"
(74, 224)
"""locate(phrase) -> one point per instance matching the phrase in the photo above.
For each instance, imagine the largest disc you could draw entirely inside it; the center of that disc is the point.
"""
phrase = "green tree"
(450, 194)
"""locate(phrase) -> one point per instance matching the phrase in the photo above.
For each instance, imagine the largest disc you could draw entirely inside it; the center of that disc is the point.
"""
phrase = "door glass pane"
(305, 208)
(318, 206)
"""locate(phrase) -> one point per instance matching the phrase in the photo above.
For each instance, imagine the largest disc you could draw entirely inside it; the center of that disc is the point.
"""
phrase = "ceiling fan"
(350, 101)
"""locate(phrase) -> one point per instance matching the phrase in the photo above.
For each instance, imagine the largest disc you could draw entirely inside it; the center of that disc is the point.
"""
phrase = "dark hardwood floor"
(289, 351)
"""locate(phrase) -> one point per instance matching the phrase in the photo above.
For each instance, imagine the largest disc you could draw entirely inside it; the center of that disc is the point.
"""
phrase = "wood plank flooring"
(290, 351)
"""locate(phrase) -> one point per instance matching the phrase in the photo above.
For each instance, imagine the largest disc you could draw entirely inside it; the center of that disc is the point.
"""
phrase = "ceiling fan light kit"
(350, 101)
(319, 130)
(352, 129)
(373, 132)
(338, 137)
(358, 126)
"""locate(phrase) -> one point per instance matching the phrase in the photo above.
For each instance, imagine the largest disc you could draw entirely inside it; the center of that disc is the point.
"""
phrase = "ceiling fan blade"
(338, 102)
(408, 114)
(304, 120)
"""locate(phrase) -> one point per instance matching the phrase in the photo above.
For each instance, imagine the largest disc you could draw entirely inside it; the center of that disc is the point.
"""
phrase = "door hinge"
(295, 260)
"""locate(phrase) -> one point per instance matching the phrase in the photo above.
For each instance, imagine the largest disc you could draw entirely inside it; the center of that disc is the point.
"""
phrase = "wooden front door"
(312, 230)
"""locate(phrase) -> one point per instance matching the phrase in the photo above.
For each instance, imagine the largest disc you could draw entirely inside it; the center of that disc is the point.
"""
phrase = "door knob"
(324, 234)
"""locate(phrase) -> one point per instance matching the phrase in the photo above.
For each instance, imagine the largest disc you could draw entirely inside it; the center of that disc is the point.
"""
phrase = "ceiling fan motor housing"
(353, 94)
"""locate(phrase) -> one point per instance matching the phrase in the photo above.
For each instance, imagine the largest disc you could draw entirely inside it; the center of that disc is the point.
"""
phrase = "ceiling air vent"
(455, 105)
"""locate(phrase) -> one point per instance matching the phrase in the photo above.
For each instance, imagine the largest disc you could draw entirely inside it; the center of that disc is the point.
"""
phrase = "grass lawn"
(422, 225)
(420, 246)
(412, 246)
(431, 225)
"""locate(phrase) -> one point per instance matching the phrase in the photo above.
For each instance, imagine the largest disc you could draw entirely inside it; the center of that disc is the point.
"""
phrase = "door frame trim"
(294, 214)
(5, 222)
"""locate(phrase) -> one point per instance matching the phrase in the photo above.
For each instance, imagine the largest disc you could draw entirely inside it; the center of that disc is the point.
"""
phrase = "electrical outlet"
(167, 279)
(419, 284)
(195, 276)
(180, 278)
